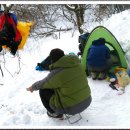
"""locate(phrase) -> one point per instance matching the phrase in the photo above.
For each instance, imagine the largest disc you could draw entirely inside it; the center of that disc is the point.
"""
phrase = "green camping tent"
(117, 52)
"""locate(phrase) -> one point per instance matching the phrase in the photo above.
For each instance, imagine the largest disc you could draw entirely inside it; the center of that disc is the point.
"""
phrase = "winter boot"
(102, 76)
(54, 115)
(94, 75)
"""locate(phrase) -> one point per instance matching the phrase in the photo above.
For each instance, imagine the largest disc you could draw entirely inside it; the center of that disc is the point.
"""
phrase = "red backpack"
(9, 35)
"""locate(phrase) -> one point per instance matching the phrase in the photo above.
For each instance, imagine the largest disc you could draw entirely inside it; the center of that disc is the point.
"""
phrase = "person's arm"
(40, 84)
(37, 85)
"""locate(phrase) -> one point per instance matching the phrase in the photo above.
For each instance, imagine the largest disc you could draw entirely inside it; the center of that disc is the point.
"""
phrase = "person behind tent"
(62, 92)
(98, 59)
(82, 40)
(9, 35)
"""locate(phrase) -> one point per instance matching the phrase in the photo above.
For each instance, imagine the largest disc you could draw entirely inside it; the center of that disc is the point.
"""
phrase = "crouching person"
(99, 61)
(65, 90)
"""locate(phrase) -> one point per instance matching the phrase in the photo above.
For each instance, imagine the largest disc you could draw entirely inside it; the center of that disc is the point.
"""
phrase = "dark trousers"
(45, 95)
(103, 69)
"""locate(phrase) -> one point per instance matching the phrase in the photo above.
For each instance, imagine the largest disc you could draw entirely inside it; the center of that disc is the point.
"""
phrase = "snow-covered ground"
(22, 109)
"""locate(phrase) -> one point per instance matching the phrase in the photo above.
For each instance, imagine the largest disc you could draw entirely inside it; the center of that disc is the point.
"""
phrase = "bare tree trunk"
(79, 13)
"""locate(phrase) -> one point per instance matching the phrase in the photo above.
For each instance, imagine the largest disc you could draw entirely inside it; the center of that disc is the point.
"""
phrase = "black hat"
(99, 41)
(56, 54)
(102, 40)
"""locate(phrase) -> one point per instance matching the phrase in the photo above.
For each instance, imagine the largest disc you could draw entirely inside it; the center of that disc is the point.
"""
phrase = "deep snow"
(22, 109)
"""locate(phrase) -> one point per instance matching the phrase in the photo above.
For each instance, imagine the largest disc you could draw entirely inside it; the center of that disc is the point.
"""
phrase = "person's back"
(98, 54)
(98, 59)
(71, 86)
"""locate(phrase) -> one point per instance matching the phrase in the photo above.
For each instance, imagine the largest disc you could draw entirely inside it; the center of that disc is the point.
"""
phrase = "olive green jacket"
(68, 80)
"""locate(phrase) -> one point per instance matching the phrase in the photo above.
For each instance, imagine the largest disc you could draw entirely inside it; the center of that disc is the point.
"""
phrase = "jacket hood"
(100, 41)
(67, 61)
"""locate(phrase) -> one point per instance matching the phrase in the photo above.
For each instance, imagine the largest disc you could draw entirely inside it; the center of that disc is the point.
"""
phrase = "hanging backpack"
(9, 35)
